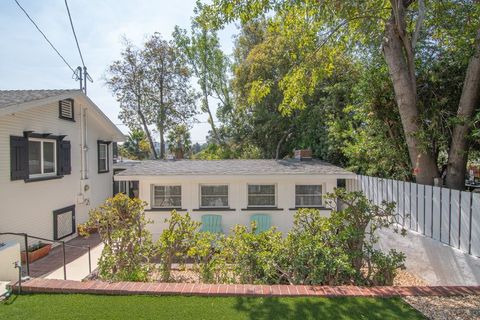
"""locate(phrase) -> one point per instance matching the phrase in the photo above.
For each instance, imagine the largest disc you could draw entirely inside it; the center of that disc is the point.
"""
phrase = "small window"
(261, 195)
(103, 159)
(214, 196)
(308, 196)
(66, 110)
(42, 157)
(167, 197)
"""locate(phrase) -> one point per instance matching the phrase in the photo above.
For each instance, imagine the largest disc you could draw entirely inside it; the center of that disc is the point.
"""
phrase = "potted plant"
(36, 251)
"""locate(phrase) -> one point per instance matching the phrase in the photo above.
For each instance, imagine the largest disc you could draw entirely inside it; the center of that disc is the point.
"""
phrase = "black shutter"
(18, 158)
(64, 164)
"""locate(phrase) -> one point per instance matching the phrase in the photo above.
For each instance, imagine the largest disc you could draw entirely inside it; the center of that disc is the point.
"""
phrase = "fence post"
(27, 260)
(64, 262)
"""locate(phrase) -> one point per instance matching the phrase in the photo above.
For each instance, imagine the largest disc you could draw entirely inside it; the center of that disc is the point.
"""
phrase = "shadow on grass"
(325, 308)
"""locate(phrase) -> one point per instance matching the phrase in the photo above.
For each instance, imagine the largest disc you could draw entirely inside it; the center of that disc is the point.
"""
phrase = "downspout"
(82, 146)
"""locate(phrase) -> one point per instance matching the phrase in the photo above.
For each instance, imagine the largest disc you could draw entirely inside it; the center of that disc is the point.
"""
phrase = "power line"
(74, 34)
(43, 34)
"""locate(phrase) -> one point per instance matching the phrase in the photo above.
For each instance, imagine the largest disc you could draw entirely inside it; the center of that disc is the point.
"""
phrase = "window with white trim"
(166, 196)
(262, 195)
(308, 196)
(42, 157)
(214, 196)
(103, 160)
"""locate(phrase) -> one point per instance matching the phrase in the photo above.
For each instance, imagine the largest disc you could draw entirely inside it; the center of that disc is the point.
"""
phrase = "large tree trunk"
(161, 130)
(470, 99)
(147, 131)
(210, 116)
(398, 54)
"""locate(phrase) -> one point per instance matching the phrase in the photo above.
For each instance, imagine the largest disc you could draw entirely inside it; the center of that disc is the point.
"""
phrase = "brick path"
(126, 288)
(54, 260)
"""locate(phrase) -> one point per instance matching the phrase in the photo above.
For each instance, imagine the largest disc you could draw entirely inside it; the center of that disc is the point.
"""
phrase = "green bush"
(128, 247)
(210, 257)
(335, 250)
(175, 242)
(254, 256)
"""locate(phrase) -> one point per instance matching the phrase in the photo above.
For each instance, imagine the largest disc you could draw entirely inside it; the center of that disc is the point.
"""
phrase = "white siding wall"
(27, 207)
(283, 219)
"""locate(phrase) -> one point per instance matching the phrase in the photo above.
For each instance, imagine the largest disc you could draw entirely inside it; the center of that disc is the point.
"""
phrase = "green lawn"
(77, 306)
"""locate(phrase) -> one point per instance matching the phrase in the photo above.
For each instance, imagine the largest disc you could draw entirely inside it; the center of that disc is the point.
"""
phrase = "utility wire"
(43, 34)
(76, 40)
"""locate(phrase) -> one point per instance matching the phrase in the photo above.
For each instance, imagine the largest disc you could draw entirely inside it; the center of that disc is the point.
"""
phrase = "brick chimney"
(303, 154)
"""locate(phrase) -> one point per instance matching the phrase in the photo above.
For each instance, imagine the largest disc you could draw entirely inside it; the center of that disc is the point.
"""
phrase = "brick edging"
(189, 289)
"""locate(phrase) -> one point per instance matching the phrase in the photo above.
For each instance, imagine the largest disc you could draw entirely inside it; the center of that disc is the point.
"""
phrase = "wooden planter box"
(37, 254)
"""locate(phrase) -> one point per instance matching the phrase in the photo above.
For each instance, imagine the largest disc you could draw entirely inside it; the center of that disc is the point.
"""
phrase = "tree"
(209, 64)
(179, 142)
(400, 28)
(128, 81)
(136, 147)
(171, 97)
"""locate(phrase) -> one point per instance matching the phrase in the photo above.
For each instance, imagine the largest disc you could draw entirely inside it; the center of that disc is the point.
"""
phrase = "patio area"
(76, 259)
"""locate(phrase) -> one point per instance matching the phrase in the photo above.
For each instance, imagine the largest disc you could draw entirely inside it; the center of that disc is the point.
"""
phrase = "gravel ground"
(447, 308)
(405, 278)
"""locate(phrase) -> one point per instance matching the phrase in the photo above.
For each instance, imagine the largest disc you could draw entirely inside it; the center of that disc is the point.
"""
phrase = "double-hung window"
(308, 196)
(42, 157)
(214, 196)
(262, 195)
(103, 157)
(167, 197)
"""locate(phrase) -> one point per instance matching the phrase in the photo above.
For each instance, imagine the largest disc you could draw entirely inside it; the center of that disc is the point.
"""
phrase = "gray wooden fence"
(449, 216)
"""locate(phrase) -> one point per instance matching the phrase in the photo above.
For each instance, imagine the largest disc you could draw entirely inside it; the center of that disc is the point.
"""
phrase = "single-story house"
(232, 190)
(56, 161)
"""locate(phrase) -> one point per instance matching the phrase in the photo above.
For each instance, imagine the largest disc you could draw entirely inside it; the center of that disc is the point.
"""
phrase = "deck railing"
(61, 242)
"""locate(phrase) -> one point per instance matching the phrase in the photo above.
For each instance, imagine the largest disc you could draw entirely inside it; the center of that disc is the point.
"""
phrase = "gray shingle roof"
(231, 167)
(13, 97)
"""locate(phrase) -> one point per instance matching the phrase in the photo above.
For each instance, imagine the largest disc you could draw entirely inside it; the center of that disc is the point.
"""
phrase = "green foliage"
(136, 147)
(175, 242)
(178, 141)
(254, 256)
(128, 247)
(210, 259)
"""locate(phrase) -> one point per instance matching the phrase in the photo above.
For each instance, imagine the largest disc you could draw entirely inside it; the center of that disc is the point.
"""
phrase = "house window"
(42, 157)
(308, 195)
(214, 196)
(103, 159)
(261, 195)
(66, 110)
(167, 197)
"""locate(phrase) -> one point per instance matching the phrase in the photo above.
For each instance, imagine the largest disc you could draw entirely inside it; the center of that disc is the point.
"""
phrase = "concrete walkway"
(51, 266)
(432, 261)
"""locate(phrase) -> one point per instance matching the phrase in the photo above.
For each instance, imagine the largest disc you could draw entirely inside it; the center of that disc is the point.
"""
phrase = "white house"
(56, 149)
(233, 189)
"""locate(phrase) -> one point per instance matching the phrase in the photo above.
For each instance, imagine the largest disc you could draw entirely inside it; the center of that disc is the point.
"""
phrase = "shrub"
(128, 246)
(356, 223)
(175, 242)
(254, 256)
(209, 254)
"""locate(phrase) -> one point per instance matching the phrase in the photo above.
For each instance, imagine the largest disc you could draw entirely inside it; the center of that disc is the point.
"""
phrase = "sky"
(28, 62)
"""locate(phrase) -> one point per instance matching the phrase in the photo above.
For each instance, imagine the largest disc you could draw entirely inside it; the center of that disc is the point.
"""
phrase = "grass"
(82, 306)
